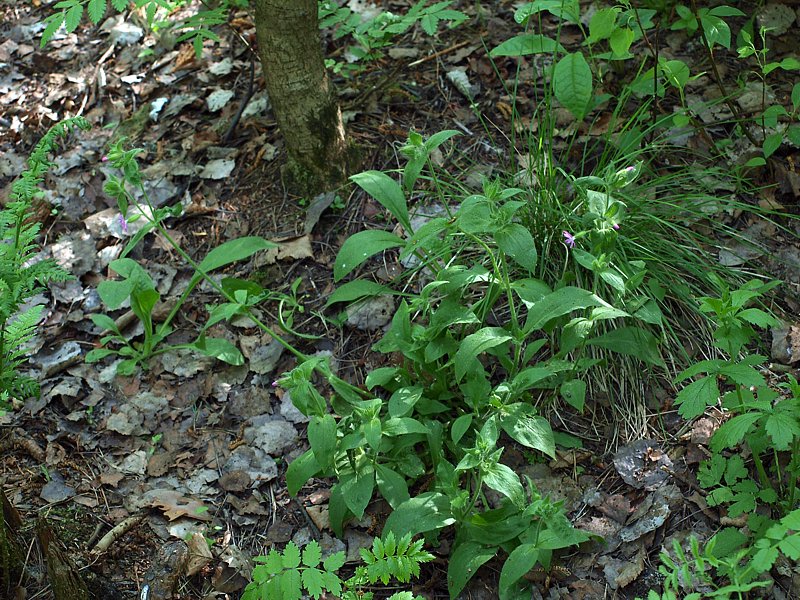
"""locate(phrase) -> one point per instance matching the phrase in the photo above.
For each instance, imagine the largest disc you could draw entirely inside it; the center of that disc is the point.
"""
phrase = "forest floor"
(196, 450)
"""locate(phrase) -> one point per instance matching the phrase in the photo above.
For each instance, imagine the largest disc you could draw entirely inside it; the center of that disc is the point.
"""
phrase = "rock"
(271, 436)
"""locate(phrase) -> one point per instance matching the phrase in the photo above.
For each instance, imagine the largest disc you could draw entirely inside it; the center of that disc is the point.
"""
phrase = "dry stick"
(438, 54)
(115, 533)
(245, 101)
(718, 80)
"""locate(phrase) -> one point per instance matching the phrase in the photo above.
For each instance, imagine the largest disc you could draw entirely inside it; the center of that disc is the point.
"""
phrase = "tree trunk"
(302, 97)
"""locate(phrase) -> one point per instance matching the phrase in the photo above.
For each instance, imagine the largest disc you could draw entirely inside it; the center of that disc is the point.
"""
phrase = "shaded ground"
(197, 449)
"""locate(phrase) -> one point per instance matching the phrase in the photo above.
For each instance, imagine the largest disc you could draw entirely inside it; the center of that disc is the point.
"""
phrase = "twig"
(244, 103)
(438, 54)
(115, 533)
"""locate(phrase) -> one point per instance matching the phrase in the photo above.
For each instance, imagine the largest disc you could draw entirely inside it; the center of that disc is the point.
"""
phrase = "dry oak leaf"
(174, 505)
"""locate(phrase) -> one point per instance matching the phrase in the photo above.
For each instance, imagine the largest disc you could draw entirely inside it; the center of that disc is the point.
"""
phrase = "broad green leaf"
(300, 470)
(426, 512)
(322, 438)
(771, 143)
(517, 242)
(574, 393)
(354, 290)
(733, 431)
(528, 429)
(361, 246)
(631, 341)
(357, 490)
(391, 485)
(221, 349)
(386, 191)
(602, 24)
(402, 402)
(716, 30)
(694, 398)
(459, 427)
(52, 25)
(464, 562)
(474, 344)
(105, 323)
(782, 427)
(501, 478)
(527, 43)
(572, 84)
(521, 560)
(620, 42)
(98, 354)
(556, 304)
(403, 426)
(231, 252)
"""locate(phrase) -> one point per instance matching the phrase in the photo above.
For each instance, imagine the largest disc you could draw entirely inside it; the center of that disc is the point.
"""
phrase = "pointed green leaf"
(361, 246)
(474, 344)
(525, 44)
(572, 83)
(388, 192)
(464, 562)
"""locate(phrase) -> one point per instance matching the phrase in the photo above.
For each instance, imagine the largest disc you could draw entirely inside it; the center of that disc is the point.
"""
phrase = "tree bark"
(302, 96)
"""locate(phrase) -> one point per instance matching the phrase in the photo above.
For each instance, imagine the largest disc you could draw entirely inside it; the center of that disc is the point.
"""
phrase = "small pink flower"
(616, 225)
(123, 224)
(104, 159)
(569, 239)
(274, 384)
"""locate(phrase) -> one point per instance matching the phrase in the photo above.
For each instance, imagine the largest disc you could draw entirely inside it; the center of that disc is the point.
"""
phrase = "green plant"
(372, 34)
(284, 575)
(767, 423)
(21, 276)
(137, 287)
(476, 349)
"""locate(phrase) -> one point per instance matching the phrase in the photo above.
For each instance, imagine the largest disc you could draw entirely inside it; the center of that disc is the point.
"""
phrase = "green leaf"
(474, 344)
(221, 349)
(574, 393)
(427, 512)
(98, 354)
(96, 9)
(291, 556)
(796, 96)
(521, 560)
(782, 427)
(402, 402)
(385, 190)
(694, 398)
(391, 485)
(459, 427)
(120, 5)
(231, 252)
(631, 341)
(517, 242)
(52, 24)
(528, 429)
(357, 490)
(602, 24)
(757, 317)
(501, 478)
(464, 562)
(733, 431)
(572, 83)
(556, 304)
(300, 470)
(620, 42)
(312, 554)
(72, 18)
(716, 30)
(527, 43)
(771, 143)
(354, 290)
(322, 438)
(359, 247)
(334, 562)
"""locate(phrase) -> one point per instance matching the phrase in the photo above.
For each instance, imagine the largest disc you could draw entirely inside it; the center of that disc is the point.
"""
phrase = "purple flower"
(104, 159)
(275, 384)
(123, 224)
(616, 225)
(569, 239)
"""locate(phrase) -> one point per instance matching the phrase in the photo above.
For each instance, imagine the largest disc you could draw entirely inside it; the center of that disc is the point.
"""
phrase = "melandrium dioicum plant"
(21, 275)
(478, 347)
(283, 576)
